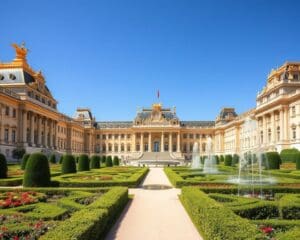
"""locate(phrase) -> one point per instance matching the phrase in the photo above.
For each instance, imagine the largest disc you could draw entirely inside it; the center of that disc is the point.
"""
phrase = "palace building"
(29, 120)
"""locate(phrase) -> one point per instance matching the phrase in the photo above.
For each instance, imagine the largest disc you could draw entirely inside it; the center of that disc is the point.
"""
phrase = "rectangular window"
(293, 111)
(184, 136)
(191, 136)
(14, 113)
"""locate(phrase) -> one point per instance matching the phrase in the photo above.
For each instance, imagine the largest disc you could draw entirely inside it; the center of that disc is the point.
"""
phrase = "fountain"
(251, 164)
(196, 163)
(210, 166)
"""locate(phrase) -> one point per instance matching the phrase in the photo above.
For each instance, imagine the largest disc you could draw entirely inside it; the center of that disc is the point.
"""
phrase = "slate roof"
(114, 124)
(197, 123)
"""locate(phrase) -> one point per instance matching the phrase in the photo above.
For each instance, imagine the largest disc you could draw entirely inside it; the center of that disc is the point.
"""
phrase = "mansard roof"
(197, 123)
(166, 113)
(114, 124)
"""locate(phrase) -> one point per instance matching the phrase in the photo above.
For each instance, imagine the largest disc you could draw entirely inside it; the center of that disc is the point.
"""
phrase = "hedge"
(215, 221)
(3, 166)
(228, 160)
(289, 235)
(289, 155)
(103, 159)
(83, 163)
(37, 171)
(235, 159)
(68, 164)
(273, 160)
(133, 181)
(221, 158)
(24, 161)
(93, 221)
(297, 160)
(289, 206)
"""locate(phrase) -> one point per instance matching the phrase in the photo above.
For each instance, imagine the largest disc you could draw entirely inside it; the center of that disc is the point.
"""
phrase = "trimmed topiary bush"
(95, 162)
(24, 161)
(52, 158)
(3, 166)
(68, 164)
(61, 159)
(217, 159)
(116, 161)
(83, 163)
(228, 160)
(221, 158)
(37, 171)
(297, 161)
(108, 161)
(103, 159)
(273, 159)
(289, 155)
(235, 159)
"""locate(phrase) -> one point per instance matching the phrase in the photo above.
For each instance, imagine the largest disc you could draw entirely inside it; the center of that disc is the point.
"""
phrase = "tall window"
(13, 136)
(128, 147)
(294, 133)
(278, 133)
(261, 137)
(116, 148)
(269, 135)
(122, 147)
(6, 135)
(14, 113)
(293, 111)
(7, 110)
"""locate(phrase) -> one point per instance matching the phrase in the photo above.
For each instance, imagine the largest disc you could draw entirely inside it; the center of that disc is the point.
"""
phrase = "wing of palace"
(29, 120)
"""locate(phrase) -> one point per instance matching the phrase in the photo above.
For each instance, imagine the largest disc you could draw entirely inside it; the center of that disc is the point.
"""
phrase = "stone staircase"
(156, 156)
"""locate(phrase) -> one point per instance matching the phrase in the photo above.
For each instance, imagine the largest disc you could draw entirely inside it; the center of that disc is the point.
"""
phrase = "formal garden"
(46, 198)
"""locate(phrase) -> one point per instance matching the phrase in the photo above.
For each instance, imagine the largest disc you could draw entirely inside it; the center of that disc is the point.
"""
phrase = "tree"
(68, 164)
(273, 159)
(18, 153)
(83, 163)
(228, 160)
(116, 161)
(95, 162)
(3, 166)
(109, 162)
(37, 171)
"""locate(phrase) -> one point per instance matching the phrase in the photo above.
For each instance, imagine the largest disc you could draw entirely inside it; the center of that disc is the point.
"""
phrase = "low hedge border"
(214, 220)
(98, 218)
(133, 181)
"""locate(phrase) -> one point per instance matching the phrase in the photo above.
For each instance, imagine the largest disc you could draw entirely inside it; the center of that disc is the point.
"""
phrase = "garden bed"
(59, 213)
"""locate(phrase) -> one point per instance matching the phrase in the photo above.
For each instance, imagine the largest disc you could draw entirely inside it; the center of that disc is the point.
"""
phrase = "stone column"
(265, 129)
(133, 143)
(178, 142)
(287, 128)
(281, 125)
(51, 134)
(46, 133)
(39, 140)
(274, 131)
(142, 143)
(24, 126)
(170, 143)
(119, 143)
(55, 135)
(162, 142)
(32, 129)
(125, 144)
(149, 142)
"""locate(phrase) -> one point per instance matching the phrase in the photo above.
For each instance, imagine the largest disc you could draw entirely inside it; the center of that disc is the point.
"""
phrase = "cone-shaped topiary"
(37, 171)
(95, 162)
(273, 160)
(103, 159)
(217, 159)
(68, 164)
(52, 158)
(228, 160)
(297, 159)
(108, 161)
(61, 159)
(221, 158)
(24, 160)
(235, 159)
(83, 163)
(3, 166)
(116, 161)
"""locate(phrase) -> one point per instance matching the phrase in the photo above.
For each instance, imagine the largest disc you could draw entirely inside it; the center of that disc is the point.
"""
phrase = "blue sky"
(112, 56)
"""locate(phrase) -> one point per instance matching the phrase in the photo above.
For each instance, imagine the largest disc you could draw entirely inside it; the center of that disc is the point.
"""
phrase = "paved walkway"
(154, 214)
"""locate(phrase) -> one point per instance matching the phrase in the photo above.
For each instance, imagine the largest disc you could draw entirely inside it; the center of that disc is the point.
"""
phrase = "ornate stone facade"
(29, 119)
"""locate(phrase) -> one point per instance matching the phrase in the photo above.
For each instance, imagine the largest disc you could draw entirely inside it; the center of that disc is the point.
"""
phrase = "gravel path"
(154, 214)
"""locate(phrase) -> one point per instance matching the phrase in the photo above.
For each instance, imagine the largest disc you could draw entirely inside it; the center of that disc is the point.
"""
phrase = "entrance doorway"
(156, 146)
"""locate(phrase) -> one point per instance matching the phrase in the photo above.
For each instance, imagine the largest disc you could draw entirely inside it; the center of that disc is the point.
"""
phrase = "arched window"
(116, 147)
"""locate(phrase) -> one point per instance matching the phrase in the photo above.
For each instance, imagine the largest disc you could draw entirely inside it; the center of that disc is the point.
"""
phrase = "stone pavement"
(154, 214)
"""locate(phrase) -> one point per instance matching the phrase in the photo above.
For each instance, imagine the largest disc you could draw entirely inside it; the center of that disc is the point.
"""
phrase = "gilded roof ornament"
(21, 51)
